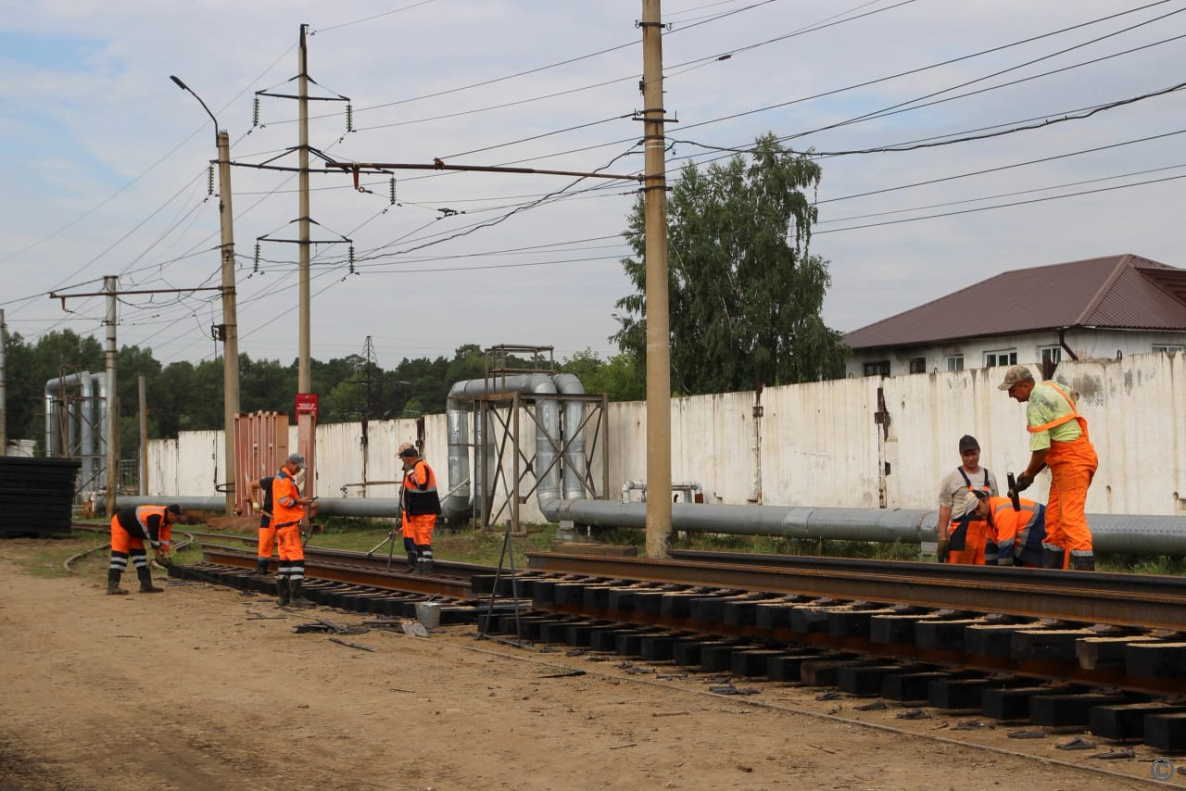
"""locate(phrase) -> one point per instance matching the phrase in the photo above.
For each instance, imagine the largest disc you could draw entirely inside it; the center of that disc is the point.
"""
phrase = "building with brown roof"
(1093, 309)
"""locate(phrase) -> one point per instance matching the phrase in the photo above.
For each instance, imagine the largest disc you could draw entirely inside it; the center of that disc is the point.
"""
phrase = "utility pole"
(142, 477)
(109, 287)
(228, 332)
(3, 391)
(658, 335)
(304, 375)
(230, 320)
(112, 293)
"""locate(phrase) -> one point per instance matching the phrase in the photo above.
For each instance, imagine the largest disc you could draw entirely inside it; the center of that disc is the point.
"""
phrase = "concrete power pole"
(304, 375)
(143, 476)
(3, 390)
(229, 331)
(658, 335)
(112, 429)
(230, 326)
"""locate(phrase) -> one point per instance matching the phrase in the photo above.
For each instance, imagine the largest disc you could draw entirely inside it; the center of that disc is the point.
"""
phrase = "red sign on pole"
(306, 404)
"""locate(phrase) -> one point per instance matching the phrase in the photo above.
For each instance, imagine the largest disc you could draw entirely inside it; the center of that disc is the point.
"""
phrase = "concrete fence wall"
(827, 444)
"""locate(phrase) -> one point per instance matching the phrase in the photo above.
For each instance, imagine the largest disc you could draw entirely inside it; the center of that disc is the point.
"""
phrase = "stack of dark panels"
(36, 496)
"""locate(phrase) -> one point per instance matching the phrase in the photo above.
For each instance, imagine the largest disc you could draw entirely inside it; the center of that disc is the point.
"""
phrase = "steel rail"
(354, 573)
(1107, 582)
(1070, 596)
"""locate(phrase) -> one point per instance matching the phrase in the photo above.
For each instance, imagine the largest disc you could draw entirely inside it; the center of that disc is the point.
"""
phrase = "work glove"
(1023, 482)
(942, 550)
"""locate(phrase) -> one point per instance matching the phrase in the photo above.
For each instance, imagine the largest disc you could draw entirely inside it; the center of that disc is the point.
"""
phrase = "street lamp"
(229, 331)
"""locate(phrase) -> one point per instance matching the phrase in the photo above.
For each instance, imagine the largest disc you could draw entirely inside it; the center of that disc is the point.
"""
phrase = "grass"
(460, 544)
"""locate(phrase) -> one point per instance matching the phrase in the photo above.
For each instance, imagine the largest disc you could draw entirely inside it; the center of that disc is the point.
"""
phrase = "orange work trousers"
(122, 540)
(419, 528)
(288, 541)
(973, 552)
(1072, 466)
(267, 540)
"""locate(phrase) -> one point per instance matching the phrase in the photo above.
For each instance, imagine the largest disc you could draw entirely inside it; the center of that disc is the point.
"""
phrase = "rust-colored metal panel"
(261, 446)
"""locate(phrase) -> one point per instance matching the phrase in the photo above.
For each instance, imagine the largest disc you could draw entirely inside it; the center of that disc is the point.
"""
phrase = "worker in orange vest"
(1015, 535)
(130, 528)
(1058, 440)
(420, 504)
(288, 509)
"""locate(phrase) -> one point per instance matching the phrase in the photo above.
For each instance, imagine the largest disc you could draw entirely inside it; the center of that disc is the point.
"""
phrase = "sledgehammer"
(1013, 495)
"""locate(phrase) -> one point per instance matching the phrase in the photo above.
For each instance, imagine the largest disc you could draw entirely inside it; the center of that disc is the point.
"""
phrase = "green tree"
(622, 377)
(745, 293)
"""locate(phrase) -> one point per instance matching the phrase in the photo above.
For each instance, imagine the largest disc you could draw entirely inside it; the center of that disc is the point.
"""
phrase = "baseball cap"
(972, 499)
(1015, 374)
(174, 509)
(407, 449)
(967, 443)
(296, 460)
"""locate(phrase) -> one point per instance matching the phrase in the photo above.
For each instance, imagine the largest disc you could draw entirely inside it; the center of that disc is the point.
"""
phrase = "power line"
(1002, 205)
(1004, 167)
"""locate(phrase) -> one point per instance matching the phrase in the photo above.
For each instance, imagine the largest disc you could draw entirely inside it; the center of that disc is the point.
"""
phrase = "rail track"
(1056, 648)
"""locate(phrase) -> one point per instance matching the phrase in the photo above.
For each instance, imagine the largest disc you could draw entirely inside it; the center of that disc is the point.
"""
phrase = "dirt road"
(205, 688)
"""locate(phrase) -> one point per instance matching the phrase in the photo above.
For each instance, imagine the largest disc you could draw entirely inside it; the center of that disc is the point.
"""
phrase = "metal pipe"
(574, 469)
(459, 506)
(54, 387)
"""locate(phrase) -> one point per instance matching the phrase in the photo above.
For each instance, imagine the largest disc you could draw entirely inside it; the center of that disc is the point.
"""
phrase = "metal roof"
(1114, 292)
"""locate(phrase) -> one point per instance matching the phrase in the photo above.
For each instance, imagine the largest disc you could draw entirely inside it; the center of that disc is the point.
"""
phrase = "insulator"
(352, 260)
(256, 258)
(349, 118)
(255, 113)
(209, 180)
(393, 190)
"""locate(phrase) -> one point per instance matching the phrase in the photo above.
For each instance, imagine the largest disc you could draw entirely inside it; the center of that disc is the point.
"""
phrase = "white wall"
(1087, 345)
(817, 444)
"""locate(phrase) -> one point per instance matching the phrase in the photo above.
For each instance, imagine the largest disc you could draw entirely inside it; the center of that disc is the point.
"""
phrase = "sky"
(106, 160)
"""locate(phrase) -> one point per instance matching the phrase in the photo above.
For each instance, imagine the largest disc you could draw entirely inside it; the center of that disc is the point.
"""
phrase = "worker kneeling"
(1014, 535)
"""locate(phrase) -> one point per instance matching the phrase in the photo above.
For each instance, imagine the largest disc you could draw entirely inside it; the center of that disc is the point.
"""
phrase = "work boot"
(298, 598)
(113, 588)
(412, 563)
(1083, 562)
(424, 566)
(261, 567)
(282, 589)
(1052, 558)
(146, 585)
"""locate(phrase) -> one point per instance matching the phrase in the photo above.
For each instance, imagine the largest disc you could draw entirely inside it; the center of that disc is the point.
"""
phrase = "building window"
(955, 362)
(1050, 354)
(918, 365)
(1167, 347)
(879, 368)
(1003, 357)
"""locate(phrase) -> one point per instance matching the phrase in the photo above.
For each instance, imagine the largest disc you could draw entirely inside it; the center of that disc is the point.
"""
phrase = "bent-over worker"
(130, 528)
(1015, 536)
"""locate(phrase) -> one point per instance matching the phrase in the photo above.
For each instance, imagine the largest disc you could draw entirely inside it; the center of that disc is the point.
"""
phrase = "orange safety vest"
(286, 507)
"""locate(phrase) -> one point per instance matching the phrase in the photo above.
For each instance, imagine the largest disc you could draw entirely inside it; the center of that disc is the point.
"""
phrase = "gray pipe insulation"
(551, 469)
